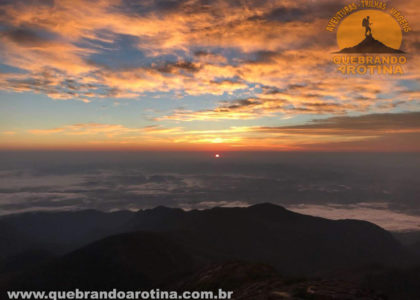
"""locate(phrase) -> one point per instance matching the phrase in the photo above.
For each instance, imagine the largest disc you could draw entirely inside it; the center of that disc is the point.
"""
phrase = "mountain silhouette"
(125, 261)
(252, 281)
(274, 235)
(157, 247)
(263, 233)
(57, 232)
(370, 45)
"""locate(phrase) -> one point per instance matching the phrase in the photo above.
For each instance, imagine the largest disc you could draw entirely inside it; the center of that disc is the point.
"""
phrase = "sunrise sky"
(195, 75)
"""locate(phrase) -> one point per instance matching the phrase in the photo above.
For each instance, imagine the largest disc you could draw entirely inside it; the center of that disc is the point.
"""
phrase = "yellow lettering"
(387, 69)
(398, 69)
(361, 69)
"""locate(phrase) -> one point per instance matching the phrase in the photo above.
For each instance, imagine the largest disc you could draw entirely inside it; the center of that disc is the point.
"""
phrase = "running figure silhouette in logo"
(366, 23)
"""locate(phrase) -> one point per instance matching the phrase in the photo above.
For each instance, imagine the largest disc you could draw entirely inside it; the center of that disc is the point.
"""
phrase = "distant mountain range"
(370, 45)
(166, 247)
(271, 234)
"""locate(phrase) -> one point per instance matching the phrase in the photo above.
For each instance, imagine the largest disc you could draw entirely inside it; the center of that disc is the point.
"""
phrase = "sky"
(195, 75)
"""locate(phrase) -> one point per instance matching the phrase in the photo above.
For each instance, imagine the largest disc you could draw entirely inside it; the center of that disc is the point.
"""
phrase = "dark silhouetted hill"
(370, 45)
(126, 261)
(11, 240)
(59, 232)
(292, 242)
(164, 247)
(25, 260)
(250, 281)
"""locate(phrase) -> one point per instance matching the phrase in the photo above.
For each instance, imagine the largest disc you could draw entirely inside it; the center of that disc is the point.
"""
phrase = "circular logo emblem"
(369, 31)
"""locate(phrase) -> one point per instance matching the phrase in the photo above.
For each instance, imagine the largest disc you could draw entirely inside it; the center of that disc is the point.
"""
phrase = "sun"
(217, 155)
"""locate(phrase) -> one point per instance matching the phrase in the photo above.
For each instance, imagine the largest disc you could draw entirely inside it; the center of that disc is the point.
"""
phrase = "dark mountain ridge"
(291, 242)
(126, 261)
(159, 247)
(62, 231)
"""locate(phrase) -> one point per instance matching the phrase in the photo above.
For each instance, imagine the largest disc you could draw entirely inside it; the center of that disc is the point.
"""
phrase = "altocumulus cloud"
(62, 48)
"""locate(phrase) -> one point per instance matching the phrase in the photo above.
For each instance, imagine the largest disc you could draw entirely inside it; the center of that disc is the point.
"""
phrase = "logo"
(369, 38)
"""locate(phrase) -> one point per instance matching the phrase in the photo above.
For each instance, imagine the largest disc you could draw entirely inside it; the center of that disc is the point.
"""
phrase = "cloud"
(364, 124)
(189, 47)
(377, 213)
(9, 132)
(86, 129)
(335, 185)
(384, 132)
(300, 98)
(216, 114)
(211, 204)
(243, 64)
(25, 37)
(371, 132)
(110, 130)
